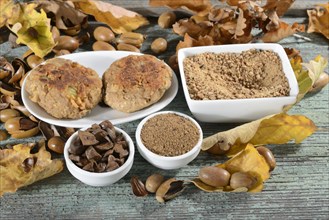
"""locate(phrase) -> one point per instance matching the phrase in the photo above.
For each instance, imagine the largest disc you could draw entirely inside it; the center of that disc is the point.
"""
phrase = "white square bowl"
(238, 110)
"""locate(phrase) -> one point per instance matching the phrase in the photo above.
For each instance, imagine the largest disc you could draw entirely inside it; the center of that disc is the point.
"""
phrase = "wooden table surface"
(298, 187)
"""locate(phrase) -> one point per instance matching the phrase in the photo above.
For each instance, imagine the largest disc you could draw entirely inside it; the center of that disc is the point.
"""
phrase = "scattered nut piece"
(138, 187)
(167, 19)
(131, 38)
(268, 155)
(33, 61)
(66, 43)
(62, 52)
(56, 144)
(7, 114)
(127, 47)
(159, 45)
(153, 182)
(241, 179)
(214, 176)
(103, 34)
(173, 63)
(100, 45)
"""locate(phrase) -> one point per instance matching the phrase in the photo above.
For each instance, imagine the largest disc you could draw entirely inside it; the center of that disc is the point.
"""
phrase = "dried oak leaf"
(275, 129)
(221, 15)
(19, 167)
(190, 27)
(119, 19)
(191, 42)
(284, 30)
(201, 7)
(9, 12)
(319, 20)
(33, 30)
(64, 13)
(248, 161)
(291, 52)
(280, 6)
(240, 25)
(306, 78)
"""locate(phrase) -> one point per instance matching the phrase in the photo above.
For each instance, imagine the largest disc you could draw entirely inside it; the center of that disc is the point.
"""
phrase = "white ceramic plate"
(100, 61)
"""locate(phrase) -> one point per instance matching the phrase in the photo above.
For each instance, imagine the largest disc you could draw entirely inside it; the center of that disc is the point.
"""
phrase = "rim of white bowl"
(142, 147)
(103, 174)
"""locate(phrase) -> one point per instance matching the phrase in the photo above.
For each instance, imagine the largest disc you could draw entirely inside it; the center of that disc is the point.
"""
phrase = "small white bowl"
(238, 110)
(100, 179)
(165, 162)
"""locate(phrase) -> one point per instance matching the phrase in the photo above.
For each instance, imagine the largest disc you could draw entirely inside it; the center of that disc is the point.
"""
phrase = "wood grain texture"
(297, 189)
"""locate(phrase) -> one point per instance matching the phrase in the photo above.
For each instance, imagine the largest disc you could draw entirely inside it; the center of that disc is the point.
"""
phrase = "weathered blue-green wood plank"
(297, 189)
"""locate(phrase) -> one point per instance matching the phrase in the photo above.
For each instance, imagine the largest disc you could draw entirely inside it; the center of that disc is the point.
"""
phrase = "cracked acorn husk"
(169, 190)
(138, 187)
(20, 127)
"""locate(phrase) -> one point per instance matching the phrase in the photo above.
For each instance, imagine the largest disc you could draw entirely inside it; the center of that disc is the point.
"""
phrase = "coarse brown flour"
(169, 134)
(249, 74)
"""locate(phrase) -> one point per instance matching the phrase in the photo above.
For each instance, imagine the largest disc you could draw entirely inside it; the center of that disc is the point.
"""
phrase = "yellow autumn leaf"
(63, 11)
(9, 12)
(275, 129)
(282, 128)
(248, 161)
(19, 167)
(33, 30)
(316, 67)
(205, 187)
(319, 19)
(119, 19)
(306, 77)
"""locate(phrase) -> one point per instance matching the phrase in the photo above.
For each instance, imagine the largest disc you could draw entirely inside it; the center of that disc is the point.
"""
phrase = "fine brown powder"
(169, 134)
(249, 74)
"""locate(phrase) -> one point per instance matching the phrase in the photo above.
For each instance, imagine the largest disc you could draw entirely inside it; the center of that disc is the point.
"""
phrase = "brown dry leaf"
(19, 167)
(201, 7)
(221, 15)
(64, 13)
(280, 6)
(319, 20)
(188, 26)
(191, 42)
(248, 161)
(274, 21)
(240, 25)
(292, 52)
(232, 2)
(275, 129)
(284, 30)
(9, 12)
(119, 19)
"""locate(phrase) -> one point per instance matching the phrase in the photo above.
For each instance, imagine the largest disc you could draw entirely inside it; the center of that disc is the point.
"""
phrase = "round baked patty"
(135, 82)
(65, 89)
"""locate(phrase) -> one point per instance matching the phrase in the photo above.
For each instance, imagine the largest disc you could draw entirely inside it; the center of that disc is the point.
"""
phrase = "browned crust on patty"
(65, 89)
(135, 82)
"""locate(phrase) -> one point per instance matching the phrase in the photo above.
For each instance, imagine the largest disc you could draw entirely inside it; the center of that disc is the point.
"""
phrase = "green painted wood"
(297, 189)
